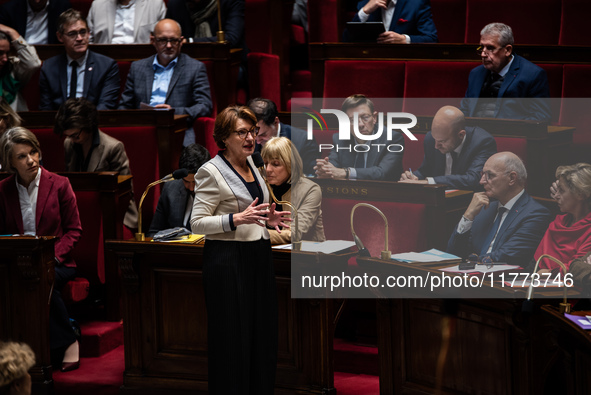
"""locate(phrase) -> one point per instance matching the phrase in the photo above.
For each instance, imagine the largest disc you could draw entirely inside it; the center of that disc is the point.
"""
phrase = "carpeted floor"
(104, 376)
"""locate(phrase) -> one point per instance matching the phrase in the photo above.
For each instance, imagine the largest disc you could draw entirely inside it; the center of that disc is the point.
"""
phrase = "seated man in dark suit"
(169, 79)
(34, 20)
(405, 21)
(505, 85)
(270, 126)
(79, 72)
(359, 159)
(176, 201)
(503, 222)
(454, 153)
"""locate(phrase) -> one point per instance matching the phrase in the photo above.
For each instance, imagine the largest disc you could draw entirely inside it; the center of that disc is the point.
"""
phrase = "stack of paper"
(432, 255)
(326, 247)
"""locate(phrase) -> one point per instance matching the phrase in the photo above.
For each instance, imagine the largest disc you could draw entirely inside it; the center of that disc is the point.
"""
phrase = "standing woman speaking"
(231, 208)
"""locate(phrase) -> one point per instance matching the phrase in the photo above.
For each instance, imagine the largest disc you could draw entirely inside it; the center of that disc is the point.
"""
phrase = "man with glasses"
(505, 85)
(454, 152)
(169, 79)
(79, 72)
(270, 126)
(503, 222)
(358, 159)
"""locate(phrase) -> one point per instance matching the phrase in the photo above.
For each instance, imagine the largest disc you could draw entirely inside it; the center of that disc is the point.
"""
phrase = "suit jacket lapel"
(509, 78)
(95, 158)
(88, 73)
(178, 69)
(45, 187)
(513, 214)
(64, 76)
(109, 13)
(140, 8)
(149, 77)
(462, 165)
(182, 196)
(397, 11)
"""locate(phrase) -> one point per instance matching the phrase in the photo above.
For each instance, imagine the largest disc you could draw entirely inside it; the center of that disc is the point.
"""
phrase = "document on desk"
(583, 322)
(432, 255)
(326, 247)
(478, 268)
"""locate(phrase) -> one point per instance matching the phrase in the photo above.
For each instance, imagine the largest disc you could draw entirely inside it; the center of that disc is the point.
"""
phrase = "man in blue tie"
(503, 222)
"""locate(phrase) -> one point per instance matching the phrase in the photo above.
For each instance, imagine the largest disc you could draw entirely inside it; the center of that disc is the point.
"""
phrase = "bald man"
(454, 153)
(169, 79)
(503, 222)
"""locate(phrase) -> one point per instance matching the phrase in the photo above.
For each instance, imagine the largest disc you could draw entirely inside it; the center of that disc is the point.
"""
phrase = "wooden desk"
(168, 129)
(493, 347)
(225, 62)
(165, 325)
(444, 210)
(26, 277)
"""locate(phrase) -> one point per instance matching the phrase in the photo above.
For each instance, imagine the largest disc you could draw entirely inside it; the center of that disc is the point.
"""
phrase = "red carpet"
(96, 376)
(356, 384)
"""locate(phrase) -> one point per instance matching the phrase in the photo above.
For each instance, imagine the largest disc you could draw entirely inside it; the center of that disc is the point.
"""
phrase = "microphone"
(527, 305)
(175, 175)
(296, 243)
(386, 254)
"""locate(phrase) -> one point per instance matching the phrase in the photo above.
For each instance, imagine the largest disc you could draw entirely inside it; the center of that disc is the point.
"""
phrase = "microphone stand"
(386, 254)
(220, 33)
(177, 174)
(564, 306)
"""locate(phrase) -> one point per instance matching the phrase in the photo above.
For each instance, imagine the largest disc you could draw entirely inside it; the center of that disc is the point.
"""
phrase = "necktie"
(359, 160)
(493, 231)
(73, 79)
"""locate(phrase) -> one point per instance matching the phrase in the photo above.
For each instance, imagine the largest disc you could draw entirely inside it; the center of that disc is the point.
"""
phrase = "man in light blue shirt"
(169, 79)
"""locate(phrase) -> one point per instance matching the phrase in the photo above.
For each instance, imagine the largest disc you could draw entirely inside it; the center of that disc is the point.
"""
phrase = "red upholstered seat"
(413, 152)
(81, 5)
(450, 20)
(554, 72)
(512, 144)
(257, 17)
(434, 80)
(264, 79)
(575, 15)
(141, 146)
(369, 225)
(204, 134)
(375, 79)
(574, 111)
(210, 73)
(76, 290)
(31, 91)
(323, 21)
(123, 71)
(52, 149)
(532, 21)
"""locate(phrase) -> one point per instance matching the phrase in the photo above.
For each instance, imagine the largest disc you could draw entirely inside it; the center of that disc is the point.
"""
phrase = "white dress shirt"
(449, 161)
(28, 201)
(37, 28)
(123, 30)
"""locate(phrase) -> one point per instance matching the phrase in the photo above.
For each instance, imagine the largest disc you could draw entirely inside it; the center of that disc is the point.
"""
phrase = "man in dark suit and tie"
(405, 21)
(454, 153)
(34, 20)
(169, 79)
(79, 72)
(358, 159)
(503, 222)
(505, 85)
(176, 200)
(270, 126)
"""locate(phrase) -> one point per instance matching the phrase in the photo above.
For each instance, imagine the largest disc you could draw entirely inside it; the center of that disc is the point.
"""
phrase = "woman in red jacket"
(36, 202)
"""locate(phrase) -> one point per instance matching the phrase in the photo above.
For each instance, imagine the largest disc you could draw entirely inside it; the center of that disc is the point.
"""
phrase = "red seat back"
(575, 108)
(375, 79)
(141, 146)
(513, 144)
(369, 225)
(31, 91)
(264, 78)
(449, 17)
(529, 27)
(81, 5)
(555, 77)
(123, 71)
(52, 149)
(323, 21)
(575, 15)
(204, 135)
(413, 152)
(257, 20)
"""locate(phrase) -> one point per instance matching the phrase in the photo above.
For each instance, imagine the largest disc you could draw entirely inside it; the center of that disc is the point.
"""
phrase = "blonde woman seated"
(283, 166)
(569, 236)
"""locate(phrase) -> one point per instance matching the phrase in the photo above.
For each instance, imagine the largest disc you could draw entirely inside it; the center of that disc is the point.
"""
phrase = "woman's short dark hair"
(10, 138)
(76, 113)
(225, 122)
